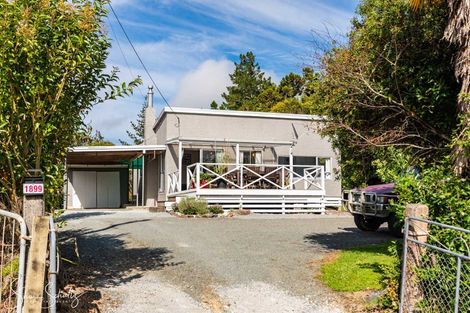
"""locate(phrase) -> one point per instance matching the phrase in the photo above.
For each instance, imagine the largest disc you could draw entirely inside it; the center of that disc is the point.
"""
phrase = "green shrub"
(446, 195)
(192, 206)
(448, 199)
(216, 209)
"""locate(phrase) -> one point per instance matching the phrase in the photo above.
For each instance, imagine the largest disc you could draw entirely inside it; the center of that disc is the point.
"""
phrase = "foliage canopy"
(52, 71)
(391, 85)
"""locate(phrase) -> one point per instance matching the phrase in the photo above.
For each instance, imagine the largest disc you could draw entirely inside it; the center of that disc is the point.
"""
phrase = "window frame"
(250, 152)
(218, 155)
(327, 166)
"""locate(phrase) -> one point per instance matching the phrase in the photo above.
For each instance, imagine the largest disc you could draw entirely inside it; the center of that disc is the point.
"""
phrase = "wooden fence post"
(418, 231)
(32, 206)
(33, 197)
(36, 265)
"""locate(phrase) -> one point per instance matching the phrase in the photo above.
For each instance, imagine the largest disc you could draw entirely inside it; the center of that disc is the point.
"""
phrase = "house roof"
(269, 115)
(108, 155)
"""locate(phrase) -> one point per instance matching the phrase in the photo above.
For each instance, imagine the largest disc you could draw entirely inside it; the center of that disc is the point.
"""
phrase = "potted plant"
(221, 169)
(204, 178)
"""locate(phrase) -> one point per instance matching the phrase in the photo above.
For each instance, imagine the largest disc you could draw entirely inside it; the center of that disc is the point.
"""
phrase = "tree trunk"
(458, 33)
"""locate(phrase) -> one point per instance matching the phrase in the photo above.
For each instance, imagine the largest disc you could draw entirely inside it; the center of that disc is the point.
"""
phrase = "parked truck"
(370, 207)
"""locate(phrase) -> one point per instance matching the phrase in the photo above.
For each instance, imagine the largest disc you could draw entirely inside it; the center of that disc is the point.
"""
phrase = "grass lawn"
(357, 269)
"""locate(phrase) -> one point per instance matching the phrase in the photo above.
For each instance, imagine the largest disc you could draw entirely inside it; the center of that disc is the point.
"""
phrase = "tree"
(248, 81)
(291, 85)
(310, 79)
(267, 99)
(52, 71)
(214, 105)
(391, 85)
(86, 137)
(457, 32)
(137, 128)
(251, 91)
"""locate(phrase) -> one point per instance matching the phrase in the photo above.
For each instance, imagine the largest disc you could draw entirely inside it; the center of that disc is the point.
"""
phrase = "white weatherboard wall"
(91, 189)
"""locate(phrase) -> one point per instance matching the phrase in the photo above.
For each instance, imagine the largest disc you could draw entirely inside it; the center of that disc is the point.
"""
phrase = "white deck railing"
(173, 182)
(250, 176)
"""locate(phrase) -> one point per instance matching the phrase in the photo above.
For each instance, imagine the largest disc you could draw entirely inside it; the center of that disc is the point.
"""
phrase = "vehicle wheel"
(395, 227)
(366, 224)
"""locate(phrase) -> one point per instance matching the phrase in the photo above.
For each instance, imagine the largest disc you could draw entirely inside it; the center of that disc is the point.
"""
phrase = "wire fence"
(12, 261)
(435, 277)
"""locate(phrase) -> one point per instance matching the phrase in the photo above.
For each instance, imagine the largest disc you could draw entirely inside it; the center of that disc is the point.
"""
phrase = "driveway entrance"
(154, 262)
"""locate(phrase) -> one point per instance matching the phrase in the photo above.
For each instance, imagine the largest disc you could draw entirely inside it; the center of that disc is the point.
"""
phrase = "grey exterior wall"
(149, 118)
(151, 180)
(235, 129)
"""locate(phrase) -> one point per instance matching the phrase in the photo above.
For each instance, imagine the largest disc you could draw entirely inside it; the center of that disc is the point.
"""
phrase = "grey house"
(269, 162)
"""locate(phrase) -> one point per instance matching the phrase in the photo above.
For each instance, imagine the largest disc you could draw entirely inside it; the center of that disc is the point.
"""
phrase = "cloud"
(296, 15)
(113, 118)
(189, 47)
(207, 82)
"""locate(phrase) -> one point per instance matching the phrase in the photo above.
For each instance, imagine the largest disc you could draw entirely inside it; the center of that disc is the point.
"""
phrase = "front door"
(189, 157)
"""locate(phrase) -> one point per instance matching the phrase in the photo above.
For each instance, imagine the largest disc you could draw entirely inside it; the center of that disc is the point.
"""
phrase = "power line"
(123, 55)
(138, 57)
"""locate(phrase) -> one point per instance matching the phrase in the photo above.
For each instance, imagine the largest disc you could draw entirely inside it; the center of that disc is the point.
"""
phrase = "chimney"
(150, 97)
(149, 119)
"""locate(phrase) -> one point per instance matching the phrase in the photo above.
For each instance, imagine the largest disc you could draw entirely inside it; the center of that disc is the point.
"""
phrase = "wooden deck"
(258, 187)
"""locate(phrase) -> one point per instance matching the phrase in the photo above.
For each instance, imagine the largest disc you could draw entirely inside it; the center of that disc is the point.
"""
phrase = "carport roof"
(108, 155)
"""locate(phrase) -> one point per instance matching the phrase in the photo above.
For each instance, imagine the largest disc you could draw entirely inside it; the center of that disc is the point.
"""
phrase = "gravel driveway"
(139, 261)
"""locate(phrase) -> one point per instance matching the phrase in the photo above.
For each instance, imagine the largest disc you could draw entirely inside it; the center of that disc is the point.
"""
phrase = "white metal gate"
(12, 261)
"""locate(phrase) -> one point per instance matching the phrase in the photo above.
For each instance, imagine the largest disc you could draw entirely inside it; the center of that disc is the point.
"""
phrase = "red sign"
(33, 189)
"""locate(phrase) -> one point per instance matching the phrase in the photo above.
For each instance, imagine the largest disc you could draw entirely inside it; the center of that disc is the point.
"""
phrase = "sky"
(190, 46)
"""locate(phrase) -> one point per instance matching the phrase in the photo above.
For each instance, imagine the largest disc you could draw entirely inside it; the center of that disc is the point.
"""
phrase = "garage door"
(84, 185)
(93, 189)
(107, 190)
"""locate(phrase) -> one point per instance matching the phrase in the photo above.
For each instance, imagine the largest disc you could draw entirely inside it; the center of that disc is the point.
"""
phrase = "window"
(212, 156)
(161, 168)
(307, 161)
(326, 163)
(251, 157)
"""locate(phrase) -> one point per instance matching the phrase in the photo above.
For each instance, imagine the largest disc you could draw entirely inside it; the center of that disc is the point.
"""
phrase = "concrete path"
(153, 262)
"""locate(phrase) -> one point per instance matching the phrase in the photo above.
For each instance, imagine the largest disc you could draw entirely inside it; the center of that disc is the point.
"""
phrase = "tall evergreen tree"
(248, 81)
(291, 85)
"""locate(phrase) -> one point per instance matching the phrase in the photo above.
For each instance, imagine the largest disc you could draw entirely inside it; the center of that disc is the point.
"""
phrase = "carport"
(100, 176)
